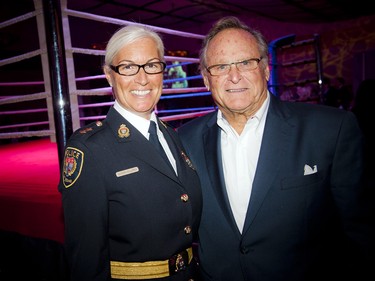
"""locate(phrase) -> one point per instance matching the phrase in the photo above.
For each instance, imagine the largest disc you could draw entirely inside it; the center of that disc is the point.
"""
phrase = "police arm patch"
(73, 163)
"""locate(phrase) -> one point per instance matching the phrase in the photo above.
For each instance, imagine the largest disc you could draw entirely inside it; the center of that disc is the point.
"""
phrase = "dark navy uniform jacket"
(122, 202)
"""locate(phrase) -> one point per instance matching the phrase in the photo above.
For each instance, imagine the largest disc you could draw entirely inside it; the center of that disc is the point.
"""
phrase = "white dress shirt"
(240, 157)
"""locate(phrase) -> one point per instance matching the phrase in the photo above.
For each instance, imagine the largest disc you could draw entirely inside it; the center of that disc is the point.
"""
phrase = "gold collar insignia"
(123, 131)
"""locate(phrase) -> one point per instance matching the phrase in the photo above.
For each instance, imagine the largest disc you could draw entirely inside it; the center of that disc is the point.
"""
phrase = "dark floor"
(26, 258)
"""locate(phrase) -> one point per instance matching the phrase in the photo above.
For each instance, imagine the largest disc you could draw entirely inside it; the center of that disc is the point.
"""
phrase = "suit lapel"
(178, 152)
(137, 145)
(277, 134)
(174, 146)
(212, 143)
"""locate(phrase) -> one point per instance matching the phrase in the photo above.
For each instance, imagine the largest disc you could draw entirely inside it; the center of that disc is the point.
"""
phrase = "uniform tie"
(155, 141)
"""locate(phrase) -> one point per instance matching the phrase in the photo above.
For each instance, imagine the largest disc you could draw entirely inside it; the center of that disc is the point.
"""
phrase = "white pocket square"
(127, 172)
(307, 170)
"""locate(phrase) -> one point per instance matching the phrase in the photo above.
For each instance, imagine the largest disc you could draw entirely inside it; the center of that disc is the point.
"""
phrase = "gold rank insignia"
(84, 131)
(187, 160)
(73, 163)
(123, 131)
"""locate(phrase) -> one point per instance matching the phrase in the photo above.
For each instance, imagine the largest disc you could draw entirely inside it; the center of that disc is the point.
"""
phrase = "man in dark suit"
(130, 214)
(281, 181)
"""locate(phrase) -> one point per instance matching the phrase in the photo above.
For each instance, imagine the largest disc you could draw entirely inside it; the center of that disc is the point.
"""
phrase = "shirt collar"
(140, 123)
(260, 115)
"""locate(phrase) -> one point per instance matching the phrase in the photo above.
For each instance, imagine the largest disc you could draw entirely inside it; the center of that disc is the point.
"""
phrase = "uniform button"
(184, 197)
(187, 230)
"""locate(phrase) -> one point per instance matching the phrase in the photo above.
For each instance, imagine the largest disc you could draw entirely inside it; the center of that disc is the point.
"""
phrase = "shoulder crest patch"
(73, 163)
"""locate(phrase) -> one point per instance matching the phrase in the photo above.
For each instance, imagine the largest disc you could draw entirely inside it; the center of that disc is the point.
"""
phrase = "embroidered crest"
(73, 163)
(123, 131)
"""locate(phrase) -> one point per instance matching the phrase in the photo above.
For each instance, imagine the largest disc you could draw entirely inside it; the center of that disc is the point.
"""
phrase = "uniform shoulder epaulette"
(74, 156)
(88, 130)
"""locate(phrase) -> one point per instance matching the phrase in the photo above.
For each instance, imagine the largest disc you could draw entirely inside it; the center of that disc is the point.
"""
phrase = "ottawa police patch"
(73, 163)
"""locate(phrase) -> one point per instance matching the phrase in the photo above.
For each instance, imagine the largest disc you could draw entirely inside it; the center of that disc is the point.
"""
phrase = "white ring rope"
(17, 135)
(18, 19)
(22, 57)
(164, 118)
(30, 97)
(124, 22)
(102, 53)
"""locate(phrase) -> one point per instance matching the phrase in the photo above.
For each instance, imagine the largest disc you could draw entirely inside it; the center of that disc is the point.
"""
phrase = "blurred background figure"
(337, 93)
(344, 94)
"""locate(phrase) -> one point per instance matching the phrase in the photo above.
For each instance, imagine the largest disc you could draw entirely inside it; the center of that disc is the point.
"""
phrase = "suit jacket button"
(184, 197)
(244, 250)
(187, 230)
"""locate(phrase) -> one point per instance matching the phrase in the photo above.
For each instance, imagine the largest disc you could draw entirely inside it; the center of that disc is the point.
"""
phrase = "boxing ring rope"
(17, 130)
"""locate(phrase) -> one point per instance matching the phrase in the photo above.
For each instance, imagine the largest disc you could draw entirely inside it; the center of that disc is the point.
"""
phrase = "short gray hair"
(127, 35)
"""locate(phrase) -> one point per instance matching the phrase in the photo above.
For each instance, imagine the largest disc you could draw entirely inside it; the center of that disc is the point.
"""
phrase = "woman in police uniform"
(128, 213)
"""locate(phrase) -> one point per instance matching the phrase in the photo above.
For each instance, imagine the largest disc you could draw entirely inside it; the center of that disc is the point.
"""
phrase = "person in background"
(281, 181)
(177, 72)
(128, 213)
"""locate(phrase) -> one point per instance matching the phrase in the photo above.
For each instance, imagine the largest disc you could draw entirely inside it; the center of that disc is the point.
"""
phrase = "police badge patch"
(73, 163)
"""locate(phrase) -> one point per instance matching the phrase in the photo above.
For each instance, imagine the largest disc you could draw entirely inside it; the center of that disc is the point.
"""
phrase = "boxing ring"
(29, 143)
(66, 89)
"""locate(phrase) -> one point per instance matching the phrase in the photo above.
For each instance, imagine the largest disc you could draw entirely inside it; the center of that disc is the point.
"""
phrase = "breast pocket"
(303, 181)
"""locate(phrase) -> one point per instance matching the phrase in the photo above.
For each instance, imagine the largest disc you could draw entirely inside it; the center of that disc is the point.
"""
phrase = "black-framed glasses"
(155, 67)
(223, 69)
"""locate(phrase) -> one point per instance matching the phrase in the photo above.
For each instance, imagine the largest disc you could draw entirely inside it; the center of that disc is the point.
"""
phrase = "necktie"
(155, 141)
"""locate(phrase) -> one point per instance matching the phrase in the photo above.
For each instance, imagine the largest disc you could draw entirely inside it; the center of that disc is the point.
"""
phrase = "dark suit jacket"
(298, 227)
(122, 202)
